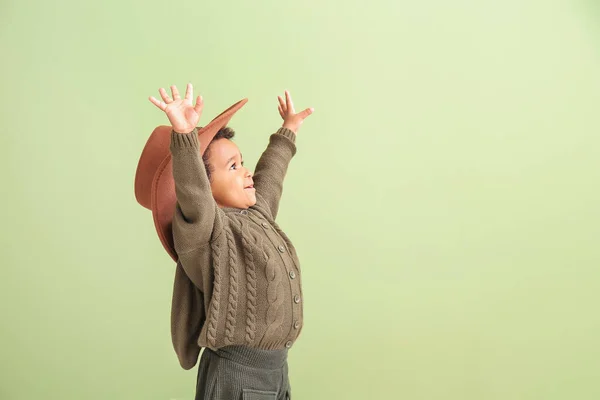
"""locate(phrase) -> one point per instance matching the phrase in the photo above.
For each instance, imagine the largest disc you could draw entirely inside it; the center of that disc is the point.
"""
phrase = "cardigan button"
(288, 344)
(281, 248)
(292, 274)
(296, 324)
(296, 299)
(265, 225)
(244, 212)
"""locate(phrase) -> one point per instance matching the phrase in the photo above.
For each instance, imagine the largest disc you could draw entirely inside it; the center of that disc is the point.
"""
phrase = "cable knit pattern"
(244, 267)
(216, 296)
(274, 298)
(233, 289)
(250, 287)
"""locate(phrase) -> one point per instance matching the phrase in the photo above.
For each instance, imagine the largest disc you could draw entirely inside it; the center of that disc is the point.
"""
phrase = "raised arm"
(273, 163)
(272, 167)
(196, 210)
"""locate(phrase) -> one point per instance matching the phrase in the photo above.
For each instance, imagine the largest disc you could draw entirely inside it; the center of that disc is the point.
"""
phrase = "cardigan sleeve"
(272, 168)
(196, 211)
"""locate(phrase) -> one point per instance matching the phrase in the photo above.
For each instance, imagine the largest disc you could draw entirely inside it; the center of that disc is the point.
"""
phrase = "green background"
(444, 200)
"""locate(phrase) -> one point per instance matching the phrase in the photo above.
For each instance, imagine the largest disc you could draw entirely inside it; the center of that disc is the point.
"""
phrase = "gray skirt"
(243, 373)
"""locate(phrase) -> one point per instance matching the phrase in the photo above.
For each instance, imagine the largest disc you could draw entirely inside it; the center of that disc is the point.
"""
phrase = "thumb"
(306, 112)
(199, 105)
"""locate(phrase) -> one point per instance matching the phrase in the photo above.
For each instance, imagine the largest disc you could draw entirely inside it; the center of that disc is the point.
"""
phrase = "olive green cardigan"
(237, 280)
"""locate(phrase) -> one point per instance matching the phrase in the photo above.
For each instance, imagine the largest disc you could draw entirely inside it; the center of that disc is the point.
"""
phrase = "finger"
(288, 99)
(189, 92)
(281, 112)
(281, 104)
(175, 92)
(157, 103)
(306, 112)
(164, 95)
(199, 105)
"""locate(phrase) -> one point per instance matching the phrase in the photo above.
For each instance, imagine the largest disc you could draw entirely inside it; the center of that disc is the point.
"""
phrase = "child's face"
(229, 179)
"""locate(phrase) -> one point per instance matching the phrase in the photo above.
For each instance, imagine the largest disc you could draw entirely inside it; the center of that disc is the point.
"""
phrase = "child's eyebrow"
(231, 159)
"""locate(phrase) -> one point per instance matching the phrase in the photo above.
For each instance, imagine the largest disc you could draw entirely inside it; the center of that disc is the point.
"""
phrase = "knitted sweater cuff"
(288, 133)
(184, 140)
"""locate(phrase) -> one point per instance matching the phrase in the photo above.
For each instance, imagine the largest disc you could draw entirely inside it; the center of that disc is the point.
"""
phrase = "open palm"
(291, 119)
(182, 114)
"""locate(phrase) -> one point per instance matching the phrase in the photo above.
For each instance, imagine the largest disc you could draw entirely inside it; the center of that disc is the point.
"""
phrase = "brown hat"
(154, 184)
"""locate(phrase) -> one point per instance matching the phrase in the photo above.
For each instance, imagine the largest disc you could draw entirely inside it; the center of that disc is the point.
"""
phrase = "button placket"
(288, 263)
(259, 221)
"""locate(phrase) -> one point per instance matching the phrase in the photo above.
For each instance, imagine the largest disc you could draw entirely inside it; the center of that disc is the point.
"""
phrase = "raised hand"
(182, 114)
(291, 120)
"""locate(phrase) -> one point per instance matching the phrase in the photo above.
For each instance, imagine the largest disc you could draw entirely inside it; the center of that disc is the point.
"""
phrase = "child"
(237, 290)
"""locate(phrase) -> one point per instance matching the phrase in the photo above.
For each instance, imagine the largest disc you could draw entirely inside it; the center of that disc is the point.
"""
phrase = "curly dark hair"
(223, 133)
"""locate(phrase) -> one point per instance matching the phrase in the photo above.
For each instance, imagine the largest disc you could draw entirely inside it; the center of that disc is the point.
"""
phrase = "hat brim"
(163, 201)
